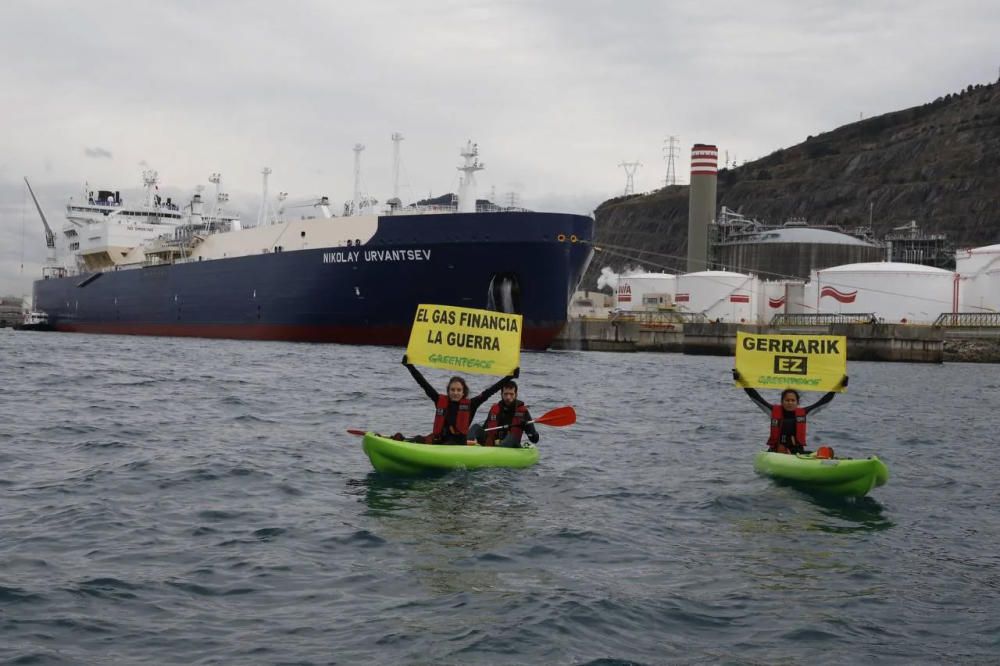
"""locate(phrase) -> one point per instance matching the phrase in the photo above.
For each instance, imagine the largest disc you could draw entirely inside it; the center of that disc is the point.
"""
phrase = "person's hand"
(516, 373)
(406, 359)
(533, 437)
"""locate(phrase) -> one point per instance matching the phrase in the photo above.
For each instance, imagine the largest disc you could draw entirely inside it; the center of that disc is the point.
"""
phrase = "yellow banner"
(465, 340)
(803, 362)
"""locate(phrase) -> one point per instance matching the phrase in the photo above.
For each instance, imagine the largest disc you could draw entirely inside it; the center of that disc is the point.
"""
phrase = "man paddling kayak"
(788, 419)
(455, 410)
(506, 422)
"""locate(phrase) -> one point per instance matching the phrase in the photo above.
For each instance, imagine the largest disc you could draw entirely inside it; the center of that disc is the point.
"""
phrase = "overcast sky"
(557, 94)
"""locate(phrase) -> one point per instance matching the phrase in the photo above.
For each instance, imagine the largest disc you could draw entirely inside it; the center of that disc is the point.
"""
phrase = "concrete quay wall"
(868, 342)
(865, 342)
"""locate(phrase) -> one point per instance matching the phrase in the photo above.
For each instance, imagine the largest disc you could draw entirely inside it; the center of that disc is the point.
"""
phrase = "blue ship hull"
(364, 294)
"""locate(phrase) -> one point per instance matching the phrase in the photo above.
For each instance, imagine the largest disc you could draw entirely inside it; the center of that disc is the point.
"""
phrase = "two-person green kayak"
(391, 456)
(845, 477)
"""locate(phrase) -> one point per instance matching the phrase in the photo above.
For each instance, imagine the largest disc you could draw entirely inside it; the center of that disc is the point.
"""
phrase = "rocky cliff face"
(938, 164)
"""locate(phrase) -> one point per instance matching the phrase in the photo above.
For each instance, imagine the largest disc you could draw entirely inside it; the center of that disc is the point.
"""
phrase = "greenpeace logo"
(460, 361)
(786, 380)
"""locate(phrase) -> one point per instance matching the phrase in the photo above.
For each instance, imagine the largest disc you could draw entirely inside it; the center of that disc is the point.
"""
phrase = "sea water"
(179, 501)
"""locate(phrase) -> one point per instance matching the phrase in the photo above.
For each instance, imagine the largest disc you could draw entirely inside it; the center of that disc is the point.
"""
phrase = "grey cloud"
(556, 93)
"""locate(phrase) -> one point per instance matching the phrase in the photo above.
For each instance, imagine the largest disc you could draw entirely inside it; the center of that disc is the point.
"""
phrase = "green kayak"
(847, 477)
(391, 456)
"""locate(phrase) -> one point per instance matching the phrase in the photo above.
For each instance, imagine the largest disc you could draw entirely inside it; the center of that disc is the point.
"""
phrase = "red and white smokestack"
(701, 204)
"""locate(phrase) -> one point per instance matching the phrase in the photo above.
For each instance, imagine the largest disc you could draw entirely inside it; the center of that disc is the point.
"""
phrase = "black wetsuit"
(787, 438)
(449, 418)
(504, 437)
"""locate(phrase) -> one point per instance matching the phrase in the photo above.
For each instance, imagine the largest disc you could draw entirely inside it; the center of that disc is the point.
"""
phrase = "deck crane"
(50, 269)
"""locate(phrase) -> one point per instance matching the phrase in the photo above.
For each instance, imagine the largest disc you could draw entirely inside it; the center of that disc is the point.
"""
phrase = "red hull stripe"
(531, 338)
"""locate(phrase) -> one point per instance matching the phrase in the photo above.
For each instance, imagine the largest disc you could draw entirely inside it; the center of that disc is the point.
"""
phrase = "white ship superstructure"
(103, 232)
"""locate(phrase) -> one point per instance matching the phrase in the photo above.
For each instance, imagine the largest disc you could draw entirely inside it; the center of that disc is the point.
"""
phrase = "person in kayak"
(788, 418)
(455, 410)
(511, 416)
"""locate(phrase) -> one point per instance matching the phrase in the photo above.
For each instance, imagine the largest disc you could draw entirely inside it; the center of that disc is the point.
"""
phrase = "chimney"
(701, 204)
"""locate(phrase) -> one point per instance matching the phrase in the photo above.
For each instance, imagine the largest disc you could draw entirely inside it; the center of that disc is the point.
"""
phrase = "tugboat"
(34, 320)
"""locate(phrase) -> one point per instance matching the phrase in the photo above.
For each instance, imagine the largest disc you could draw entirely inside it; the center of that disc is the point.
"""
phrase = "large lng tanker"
(159, 269)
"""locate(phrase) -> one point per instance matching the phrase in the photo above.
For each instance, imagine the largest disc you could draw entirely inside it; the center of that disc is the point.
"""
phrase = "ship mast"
(221, 198)
(467, 183)
(356, 206)
(149, 180)
(262, 216)
(396, 139)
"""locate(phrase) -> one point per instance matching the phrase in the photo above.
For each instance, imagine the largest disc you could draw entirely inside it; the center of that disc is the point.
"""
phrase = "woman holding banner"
(455, 410)
(788, 418)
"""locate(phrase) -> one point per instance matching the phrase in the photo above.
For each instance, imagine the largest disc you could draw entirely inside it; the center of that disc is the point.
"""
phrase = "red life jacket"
(516, 427)
(463, 419)
(777, 416)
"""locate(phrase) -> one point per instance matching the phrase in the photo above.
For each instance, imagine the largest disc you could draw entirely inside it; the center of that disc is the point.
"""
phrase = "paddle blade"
(354, 431)
(560, 416)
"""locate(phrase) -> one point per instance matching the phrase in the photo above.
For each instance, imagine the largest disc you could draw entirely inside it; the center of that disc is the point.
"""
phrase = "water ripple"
(190, 501)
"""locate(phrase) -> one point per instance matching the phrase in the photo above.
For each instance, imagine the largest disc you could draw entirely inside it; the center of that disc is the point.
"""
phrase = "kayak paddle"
(353, 431)
(558, 417)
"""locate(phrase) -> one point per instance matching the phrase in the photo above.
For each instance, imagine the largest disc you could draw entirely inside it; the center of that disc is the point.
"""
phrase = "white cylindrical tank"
(974, 260)
(720, 295)
(979, 269)
(632, 288)
(773, 300)
(893, 291)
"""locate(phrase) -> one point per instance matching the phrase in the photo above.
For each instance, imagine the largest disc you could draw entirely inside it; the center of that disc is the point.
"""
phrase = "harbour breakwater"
(866, 342)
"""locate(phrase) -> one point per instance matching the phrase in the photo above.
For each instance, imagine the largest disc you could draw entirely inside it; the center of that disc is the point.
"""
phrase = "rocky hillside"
(938, 164)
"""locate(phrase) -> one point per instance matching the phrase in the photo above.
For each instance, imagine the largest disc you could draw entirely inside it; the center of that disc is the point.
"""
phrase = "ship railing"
(422, 210)
(968, 320)
(823, 318)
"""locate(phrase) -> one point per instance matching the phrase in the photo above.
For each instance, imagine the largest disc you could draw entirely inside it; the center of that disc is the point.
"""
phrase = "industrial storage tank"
(979, 269)
(793, 252)
(894, 292)
(634, 290)
(781, 297)
(719, 295)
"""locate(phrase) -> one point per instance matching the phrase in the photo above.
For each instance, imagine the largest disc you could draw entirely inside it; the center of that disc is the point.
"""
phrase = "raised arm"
(825, 400)
(758, 400)
(764, 405)
(485, 395)
(424, 384)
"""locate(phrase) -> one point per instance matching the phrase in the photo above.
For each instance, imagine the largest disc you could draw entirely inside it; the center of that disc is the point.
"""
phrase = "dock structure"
(10, 311)
(868, 339)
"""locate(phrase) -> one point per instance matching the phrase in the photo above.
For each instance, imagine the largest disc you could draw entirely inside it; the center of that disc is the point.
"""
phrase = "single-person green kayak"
(391, 456)
(847, 477)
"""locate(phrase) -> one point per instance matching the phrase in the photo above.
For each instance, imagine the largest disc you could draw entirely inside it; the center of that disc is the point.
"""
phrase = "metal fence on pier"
(822, 319)
(968, 320)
